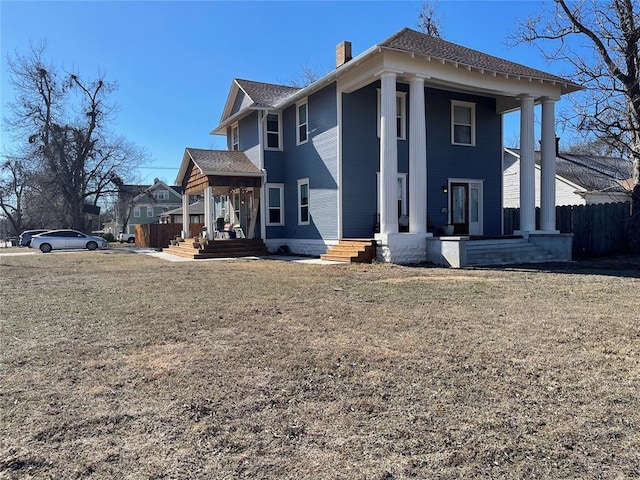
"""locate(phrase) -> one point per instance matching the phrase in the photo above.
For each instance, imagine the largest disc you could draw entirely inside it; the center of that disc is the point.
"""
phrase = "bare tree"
(599, 39)
(63, 121)
(429, 20)
(13, 183)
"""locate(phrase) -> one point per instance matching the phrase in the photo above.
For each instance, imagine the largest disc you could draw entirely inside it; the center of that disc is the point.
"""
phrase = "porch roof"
(201, 168)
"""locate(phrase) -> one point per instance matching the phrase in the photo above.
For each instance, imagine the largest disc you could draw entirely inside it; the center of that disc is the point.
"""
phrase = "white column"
(548, 167)
(208, 211)
(388, 155)
(417, 158)
(185, 216)
(527, 166)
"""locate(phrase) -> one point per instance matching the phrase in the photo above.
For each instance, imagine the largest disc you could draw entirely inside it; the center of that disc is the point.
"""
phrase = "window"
(401, 190)
(303, 201)
(235, 138)
(275, 204)
(272, 133)
(161, 194)
(302, 122)
(463, 123)
(149, 212)
(401, 115)
(136, 211)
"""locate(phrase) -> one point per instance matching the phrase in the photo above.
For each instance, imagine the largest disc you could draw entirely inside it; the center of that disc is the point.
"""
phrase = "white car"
(64, 239)
(126, 237)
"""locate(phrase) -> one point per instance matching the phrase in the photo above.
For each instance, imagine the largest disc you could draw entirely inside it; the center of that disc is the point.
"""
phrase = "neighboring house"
(142, 204)
(196, 214)
(579, 179)
(411, 128)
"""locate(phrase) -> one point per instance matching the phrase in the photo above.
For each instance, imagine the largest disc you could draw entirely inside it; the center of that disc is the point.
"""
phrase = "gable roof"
(218, 162)
(594, 173)
(265, 95)
(146, 191)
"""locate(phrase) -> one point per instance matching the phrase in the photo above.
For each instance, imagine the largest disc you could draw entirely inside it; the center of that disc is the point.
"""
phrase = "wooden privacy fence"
(597, 229)
(158, 235)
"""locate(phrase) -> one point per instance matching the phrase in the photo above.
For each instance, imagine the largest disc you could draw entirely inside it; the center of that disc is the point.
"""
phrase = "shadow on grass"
(627, 266)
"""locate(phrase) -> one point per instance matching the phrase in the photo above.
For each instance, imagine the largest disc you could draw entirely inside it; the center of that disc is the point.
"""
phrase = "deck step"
(351, 251)
(227, 248)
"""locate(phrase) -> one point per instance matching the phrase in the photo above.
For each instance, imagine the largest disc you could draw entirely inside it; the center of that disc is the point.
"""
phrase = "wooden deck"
(221, 248)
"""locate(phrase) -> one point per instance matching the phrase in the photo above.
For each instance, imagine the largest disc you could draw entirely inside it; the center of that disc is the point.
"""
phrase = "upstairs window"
(272, 132)
(302, 121)
(149, 212)
(463, 128)
(136, 211)
(161, 194)
(235, 138)
(401, 115)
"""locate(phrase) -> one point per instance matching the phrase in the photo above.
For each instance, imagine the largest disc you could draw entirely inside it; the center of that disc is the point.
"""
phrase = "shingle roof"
(594, 173)
(223, 162)
(408, 40)
(266, 95)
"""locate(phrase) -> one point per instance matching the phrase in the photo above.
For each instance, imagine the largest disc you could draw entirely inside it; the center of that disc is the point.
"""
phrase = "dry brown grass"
(118, 365)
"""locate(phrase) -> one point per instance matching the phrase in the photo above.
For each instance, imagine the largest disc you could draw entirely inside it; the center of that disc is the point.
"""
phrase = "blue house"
(401, 144)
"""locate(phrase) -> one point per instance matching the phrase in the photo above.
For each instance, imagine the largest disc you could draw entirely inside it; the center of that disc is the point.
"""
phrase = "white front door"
(465, 205)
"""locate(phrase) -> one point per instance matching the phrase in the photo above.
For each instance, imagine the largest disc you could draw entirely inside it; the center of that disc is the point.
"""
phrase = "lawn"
(120, 365)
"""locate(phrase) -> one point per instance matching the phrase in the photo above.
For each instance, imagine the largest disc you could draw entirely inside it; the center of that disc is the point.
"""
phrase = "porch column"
(208, 211)
(527, 166)
(417, 157)
(185, 216)
(548, 167)
(388, 155)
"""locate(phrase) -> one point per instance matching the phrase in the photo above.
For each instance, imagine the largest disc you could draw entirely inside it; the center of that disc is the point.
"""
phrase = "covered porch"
(229, 187)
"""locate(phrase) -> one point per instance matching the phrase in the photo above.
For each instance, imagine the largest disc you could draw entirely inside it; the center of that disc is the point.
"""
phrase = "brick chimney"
(343, 53)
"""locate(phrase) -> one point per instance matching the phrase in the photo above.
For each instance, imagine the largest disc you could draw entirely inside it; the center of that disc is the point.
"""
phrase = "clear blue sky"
(174, 60)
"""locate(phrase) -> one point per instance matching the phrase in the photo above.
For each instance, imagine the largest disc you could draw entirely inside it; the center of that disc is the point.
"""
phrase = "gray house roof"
(411, 41)
(265, 95)
(268, 95)
(594, 173)
(222, 162)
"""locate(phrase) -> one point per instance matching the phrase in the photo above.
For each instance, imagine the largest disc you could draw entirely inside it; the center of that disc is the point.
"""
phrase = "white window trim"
(402, 114)
(403, 178)
(150, 212)
(303, 181)
(279, 132)
(136, 211)
(472, 106)
(298, 124)
(237, 143)
(279, 186)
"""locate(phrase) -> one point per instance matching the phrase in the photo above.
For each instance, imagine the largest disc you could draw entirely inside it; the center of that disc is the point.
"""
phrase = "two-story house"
(143, 204)
(394, 144)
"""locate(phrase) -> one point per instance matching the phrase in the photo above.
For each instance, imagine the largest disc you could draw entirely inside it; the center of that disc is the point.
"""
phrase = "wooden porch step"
(351, 251)
(227, 248)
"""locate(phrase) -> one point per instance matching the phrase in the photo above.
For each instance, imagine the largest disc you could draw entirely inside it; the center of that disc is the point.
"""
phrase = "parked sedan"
(64, 239)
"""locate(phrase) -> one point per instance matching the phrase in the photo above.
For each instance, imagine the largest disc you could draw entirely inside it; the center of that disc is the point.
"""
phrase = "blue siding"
(361, 151)
(317, 160)
(237, 103)
(482, 161)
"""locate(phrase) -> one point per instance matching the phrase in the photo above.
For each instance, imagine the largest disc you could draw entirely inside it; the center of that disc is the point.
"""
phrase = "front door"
(466, 207)
(460, 208)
